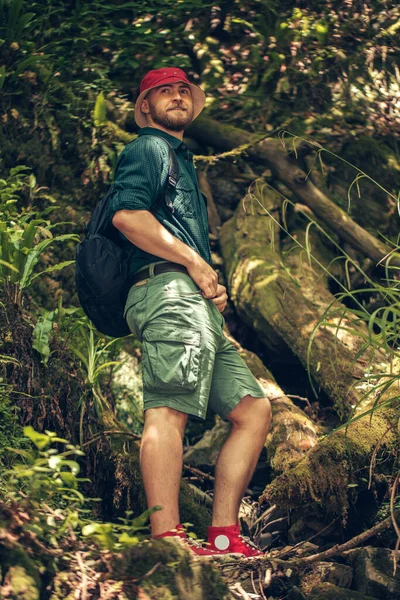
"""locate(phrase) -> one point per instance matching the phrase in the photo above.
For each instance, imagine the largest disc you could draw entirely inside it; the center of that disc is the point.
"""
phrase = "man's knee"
(251, 411)
(165, 418)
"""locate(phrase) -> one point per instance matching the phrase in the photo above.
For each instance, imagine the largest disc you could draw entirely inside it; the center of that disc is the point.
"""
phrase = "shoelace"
(195, 543)
(248, 542)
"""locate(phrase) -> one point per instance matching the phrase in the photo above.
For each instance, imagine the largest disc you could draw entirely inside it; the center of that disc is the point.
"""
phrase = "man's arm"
(142, 229)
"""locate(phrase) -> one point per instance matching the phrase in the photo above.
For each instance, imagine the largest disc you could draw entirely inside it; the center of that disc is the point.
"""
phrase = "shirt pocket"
(185, 198)
(171, 359)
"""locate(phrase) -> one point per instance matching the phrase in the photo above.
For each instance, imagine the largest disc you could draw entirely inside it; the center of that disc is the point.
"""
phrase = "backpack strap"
(173, 176)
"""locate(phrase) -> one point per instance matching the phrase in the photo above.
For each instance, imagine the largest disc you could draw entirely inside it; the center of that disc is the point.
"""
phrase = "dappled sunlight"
(261, 283)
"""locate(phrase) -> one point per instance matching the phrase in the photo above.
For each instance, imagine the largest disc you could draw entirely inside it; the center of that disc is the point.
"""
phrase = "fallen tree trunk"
(275, 303)
(283, 309)
(271, 153)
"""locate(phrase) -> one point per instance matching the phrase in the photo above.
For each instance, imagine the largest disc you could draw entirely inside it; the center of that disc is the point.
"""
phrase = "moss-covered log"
(285, 306)
(283, 309)
(341, 460)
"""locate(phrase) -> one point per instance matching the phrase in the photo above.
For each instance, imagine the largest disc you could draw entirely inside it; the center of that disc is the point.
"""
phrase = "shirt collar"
(175, 143)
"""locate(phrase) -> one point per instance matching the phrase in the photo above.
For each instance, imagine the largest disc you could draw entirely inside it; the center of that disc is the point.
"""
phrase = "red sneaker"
(191, 544)
(228, 540)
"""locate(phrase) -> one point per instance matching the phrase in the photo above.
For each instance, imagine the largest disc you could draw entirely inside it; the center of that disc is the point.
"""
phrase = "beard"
(174, 120)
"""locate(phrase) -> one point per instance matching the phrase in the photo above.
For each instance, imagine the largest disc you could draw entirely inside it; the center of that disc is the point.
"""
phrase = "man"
(174, 307)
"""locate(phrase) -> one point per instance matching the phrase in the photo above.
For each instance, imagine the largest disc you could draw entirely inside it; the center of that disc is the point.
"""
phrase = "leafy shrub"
(47, 483)
(25, 234)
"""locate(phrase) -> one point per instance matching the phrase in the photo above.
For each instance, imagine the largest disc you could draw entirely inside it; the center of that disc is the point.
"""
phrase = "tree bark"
(287, 304)
(284, 305)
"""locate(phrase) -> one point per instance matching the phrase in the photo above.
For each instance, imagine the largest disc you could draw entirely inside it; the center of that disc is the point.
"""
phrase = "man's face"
(170, 106)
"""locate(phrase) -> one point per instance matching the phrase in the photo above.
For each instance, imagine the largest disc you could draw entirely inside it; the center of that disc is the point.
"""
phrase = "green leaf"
(91, 528)
(34, 255)
(69, 479)
(100, 111)
(55, 461)
(28, 62)
(32, 181)
(79, 495)
(41, 335)
(125, 538)
(140, 521)
(57, 267)
(8, 265)
(25, 453)
(40, 440)
(3, 75)
(73, 465)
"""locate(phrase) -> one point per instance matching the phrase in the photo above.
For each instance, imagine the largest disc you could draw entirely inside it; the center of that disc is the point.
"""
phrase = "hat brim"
(198, 97)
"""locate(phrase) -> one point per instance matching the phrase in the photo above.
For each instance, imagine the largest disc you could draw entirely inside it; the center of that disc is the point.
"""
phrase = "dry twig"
(394, 521)
(199, 473)
(265, 514)
(358, 540)
(135, 436)
(84, 576)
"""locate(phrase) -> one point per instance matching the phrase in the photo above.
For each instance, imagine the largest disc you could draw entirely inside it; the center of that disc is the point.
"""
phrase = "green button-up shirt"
(141, 176)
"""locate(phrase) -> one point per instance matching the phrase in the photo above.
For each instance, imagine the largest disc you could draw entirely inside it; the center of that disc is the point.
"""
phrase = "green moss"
(23, 586)
(61, 585)
(178, 576)
(328, 591)
(11, 432)
(20, 573)
(339, 460)
(191, 511)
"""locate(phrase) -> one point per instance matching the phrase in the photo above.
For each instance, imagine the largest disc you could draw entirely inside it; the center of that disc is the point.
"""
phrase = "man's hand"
(221, 298)
(205, 277)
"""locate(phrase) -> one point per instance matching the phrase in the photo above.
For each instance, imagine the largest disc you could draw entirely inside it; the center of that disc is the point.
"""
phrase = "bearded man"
(175, 308)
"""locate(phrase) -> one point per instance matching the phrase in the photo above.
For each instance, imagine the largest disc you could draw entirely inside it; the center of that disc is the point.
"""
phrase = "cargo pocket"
(134, 313)
(171, 359)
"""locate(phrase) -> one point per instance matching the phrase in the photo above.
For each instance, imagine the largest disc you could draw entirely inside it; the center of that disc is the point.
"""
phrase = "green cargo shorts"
(187, 362)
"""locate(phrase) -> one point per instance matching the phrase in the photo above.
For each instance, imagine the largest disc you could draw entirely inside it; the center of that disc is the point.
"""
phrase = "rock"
(328, 591)
(179, 574)
(295, 594)
(335, 573)
(307, 526)
(373, 572)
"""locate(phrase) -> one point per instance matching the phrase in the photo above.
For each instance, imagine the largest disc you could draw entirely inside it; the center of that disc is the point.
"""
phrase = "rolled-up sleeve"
(140, 175)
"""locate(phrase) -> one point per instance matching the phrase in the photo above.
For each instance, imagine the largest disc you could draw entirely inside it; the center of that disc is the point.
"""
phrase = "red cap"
(159, 77)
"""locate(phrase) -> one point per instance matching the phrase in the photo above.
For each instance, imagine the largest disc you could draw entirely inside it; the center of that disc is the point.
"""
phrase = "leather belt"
(165, 267)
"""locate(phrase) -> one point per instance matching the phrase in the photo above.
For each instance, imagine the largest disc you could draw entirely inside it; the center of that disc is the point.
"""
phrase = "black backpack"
(102, 263)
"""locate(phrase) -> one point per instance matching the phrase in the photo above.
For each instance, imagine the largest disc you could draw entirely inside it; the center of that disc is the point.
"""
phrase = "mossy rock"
(328, 591)
(373, 572)
(18, 584)
(179, 575)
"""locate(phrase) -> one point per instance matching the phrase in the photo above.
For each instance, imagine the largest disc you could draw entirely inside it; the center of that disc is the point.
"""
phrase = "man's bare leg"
(237, 460)
(161, 456)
